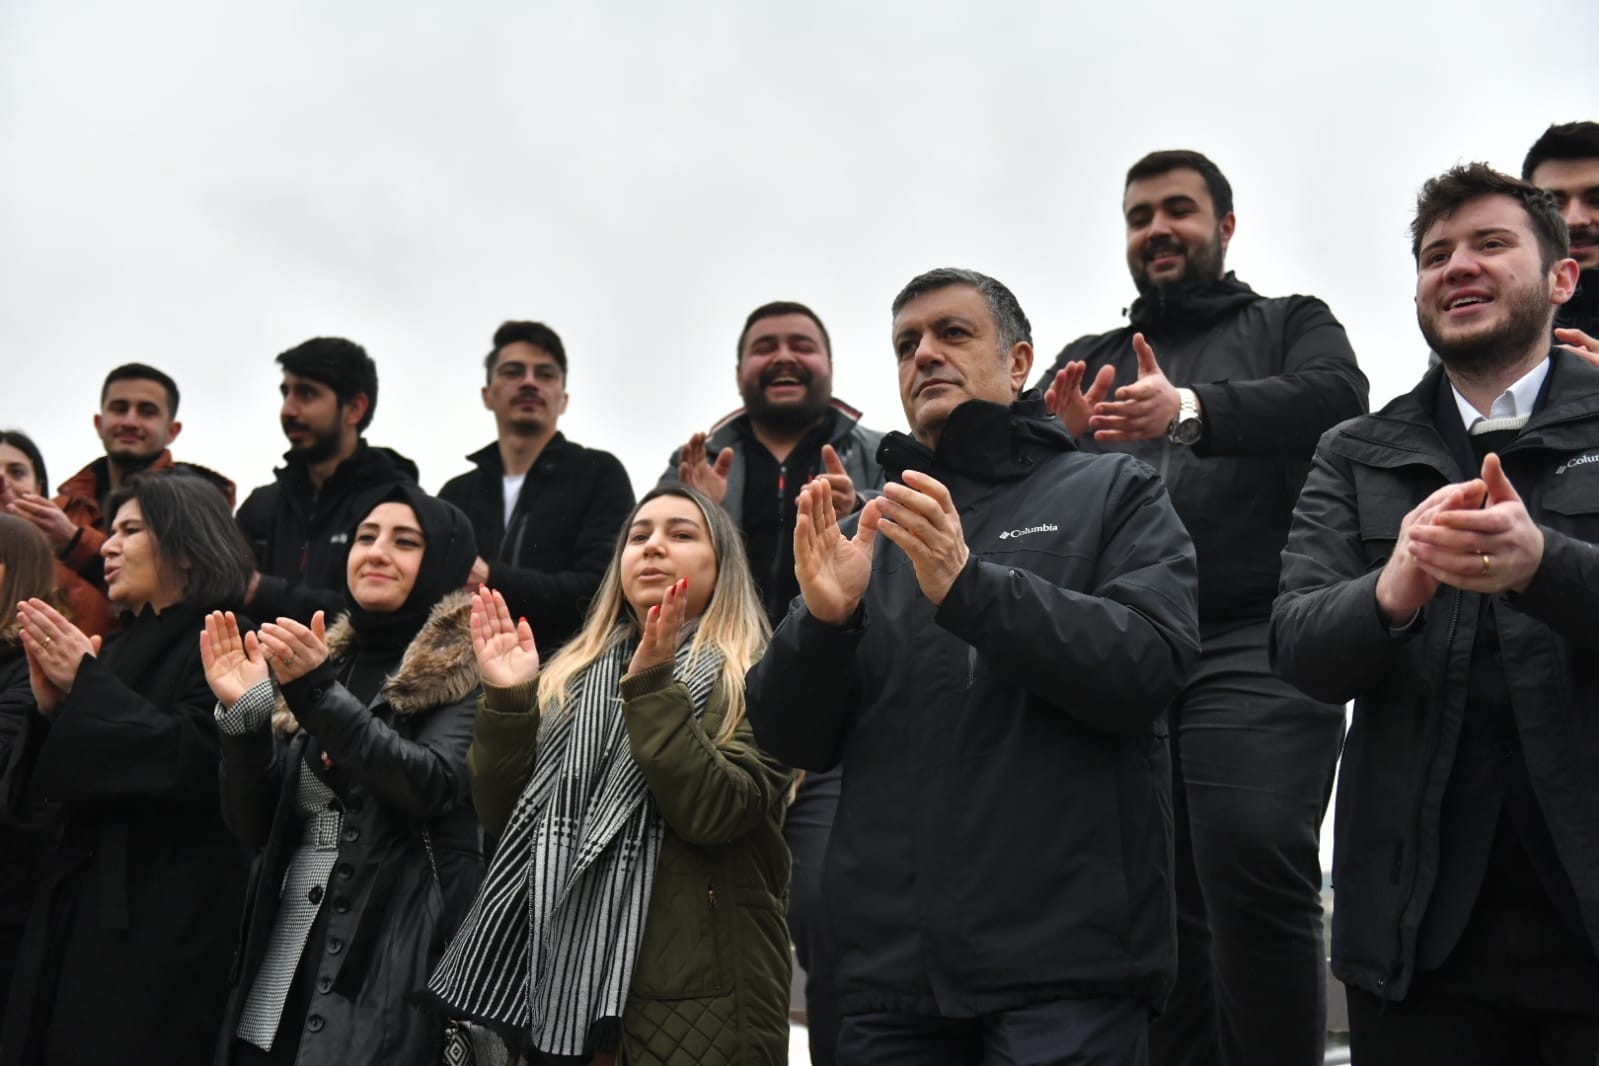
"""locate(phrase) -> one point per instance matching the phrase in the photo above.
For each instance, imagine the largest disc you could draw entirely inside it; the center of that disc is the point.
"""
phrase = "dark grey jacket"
(398, 766)
(1004, 832)
(1328, 638)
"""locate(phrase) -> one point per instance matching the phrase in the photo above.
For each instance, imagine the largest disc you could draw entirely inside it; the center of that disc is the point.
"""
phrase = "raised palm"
(833, 570)
(233, 664)
(506, 654)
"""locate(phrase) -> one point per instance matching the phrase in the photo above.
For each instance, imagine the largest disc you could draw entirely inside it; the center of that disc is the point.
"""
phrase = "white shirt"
(1514, 402)
(513, 489)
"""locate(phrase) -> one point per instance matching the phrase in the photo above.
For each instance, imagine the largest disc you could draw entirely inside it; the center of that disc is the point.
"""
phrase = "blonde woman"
(635, 905)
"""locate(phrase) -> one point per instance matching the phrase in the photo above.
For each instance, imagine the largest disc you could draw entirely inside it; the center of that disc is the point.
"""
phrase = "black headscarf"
(446, 563)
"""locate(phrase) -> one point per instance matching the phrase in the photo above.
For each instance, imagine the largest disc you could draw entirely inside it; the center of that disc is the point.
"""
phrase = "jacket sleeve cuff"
(511, 699)
(252, 711)
(646, 681)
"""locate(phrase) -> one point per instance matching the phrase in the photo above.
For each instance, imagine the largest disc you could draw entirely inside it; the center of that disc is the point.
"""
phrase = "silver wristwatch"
(1188, 426)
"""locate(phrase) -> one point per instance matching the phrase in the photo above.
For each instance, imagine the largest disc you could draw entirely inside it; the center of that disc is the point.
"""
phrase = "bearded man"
(1224, 392)
(1442, 572)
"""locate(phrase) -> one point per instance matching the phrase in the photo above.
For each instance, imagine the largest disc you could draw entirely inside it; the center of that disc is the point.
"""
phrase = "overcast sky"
(201, 186)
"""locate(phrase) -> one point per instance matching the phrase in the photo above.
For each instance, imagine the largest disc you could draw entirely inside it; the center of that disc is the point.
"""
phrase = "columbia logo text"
(1581, 460)
(1047, 527)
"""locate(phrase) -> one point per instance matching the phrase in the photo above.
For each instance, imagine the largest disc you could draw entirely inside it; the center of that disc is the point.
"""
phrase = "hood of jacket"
(367, 463)
(982, 440)
(1194, 308)
(438, 668)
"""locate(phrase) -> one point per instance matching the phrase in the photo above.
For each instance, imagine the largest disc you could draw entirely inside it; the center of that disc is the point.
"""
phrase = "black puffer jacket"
(1410, 689)
(567, 517)
(300, 534)
(1272, 375)
(398, 767)
(1005, 829)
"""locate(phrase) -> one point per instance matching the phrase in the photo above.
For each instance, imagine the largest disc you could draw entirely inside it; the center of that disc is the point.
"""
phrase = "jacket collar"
(487, 458)
(982, 440)
(1405, 432)
(93, 483)
(1196, 307)
(439, 667)
(843, 415)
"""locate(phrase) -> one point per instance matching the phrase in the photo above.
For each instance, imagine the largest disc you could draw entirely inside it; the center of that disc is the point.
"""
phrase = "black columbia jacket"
(1272, 375)
(1004, 834)
(548, 562)
(300, 534)
(1329, 639)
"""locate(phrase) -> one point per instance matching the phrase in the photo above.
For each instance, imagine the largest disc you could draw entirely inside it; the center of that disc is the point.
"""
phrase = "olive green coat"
(712, 980)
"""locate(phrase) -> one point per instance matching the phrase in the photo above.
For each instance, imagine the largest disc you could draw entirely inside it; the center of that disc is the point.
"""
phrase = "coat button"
(314, 1023)
(351, 835)
(335, 945)
(341, 904)
(315, 895)
(324, 984)
(345, 871)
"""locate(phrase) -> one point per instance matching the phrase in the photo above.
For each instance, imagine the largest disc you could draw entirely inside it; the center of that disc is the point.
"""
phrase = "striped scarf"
(549, 945)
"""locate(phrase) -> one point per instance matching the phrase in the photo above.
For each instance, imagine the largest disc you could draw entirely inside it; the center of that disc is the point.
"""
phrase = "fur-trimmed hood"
(439, 666)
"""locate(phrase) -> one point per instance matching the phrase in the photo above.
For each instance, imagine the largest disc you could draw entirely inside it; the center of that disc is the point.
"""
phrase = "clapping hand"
(55, 649)
(1492, 546)
(1143, 410)
(663, 624)
(233, 664)
(695, 469)
(506, 654)
(1069, 402)
(293, 649)
(832, 569)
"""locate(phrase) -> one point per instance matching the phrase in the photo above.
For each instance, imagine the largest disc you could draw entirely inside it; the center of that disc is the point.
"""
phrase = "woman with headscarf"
(635, 905)
(351, 776)
(125, 956)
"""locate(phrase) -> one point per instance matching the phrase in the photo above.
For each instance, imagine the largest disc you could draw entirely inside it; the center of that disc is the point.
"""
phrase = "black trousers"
(1062, 1032)
(807, 827)
(1253, 761)
(1519, 987)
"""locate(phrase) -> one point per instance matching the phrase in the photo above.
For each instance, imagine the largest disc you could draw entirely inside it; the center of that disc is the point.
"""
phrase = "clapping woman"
(352, 779)
(126, 954)
(636, 902)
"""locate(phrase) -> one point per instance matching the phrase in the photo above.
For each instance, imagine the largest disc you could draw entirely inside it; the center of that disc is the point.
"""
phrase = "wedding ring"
(1486, 560)
(290, 659)
(44, 641)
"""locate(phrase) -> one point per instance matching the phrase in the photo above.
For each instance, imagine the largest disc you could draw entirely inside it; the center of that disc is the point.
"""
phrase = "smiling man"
(138, 419)
(986, 650)
(546, 511)
(299, 525)
(1442, 573)
(1225, 391)
(1565, 162)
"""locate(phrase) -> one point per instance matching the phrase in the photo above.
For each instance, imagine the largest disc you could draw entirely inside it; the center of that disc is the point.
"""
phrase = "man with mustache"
(299, 525)
(138, 419)
(1565, 163)
(1442, 572)
(1224, 392)
(546, 511)
(755, 463)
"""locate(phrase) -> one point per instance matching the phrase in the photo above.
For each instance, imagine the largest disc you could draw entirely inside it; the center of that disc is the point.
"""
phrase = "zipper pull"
(710, 894)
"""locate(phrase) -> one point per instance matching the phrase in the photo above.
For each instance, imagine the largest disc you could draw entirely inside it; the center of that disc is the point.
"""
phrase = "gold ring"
(290, 659)
(1486, 560)
(44, 641)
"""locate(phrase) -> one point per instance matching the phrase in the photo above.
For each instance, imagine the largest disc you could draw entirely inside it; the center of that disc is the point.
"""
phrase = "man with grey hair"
(986, 649)
(1225, 391)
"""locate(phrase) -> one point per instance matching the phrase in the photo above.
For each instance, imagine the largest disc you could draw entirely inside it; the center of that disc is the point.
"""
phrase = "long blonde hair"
(734, 623)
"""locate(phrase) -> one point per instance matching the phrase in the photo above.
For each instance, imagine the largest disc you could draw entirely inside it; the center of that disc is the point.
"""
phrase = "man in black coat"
(299, 525)
(1564, 161)
(1442, 572)
(987, 656)
(1224, 392)
(546, 512)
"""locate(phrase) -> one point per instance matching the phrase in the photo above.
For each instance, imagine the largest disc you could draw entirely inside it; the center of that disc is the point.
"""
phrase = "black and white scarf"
(549, 945)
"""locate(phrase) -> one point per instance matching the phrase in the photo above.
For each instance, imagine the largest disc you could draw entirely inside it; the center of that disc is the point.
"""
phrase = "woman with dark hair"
(22, 471)
(27, 571)
(353, 782)
(635, 905)
(126, 953)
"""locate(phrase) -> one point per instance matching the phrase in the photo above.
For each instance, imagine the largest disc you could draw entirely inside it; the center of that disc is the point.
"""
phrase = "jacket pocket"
(686, 950)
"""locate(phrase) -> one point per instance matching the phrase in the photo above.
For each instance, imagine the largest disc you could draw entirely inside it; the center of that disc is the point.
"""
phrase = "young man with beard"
(138, 419)
(546, 511)
(1224, 392)
(299, 525)
(755, 463)
(1442, 573)
(986, 652)
(1565, 162)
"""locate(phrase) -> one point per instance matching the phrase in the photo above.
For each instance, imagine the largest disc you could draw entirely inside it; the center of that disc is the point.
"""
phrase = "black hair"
(143, 372)
(341, 365)
(1157, 163)
(535, 333)
(1442, 195)
(24, 444)
(1569, 140)
(782, 307)
(194, 532)
(1009, 319)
